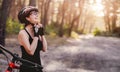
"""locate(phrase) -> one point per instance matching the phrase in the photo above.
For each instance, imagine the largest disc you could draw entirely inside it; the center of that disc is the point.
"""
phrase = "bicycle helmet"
(25, 12)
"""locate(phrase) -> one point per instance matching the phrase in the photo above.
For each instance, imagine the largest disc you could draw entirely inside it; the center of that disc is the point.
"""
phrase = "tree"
(75, 16)
(32, 2)
(15, 7)
(6, 4)
(44, 5)
(111, 7)
(62, 12)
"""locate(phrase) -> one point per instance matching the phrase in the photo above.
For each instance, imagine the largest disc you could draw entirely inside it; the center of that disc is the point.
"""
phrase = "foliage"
(96, 32)
(116, 31)
(79, 31)
(51, 29)
(107, 34)
(65, 29)
(74, 34)
(13, 27)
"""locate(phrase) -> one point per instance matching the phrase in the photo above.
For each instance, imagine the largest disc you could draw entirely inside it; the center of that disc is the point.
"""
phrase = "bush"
(74, 34)
(96, 32)
(116, 32)
(13, 27)
(51, 29)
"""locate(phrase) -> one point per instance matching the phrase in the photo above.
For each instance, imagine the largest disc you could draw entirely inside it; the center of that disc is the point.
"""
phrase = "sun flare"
(98, 8)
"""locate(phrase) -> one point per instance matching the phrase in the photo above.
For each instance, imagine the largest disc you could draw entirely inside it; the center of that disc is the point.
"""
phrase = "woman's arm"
(42, 37)
(44, 42)
(24, 41)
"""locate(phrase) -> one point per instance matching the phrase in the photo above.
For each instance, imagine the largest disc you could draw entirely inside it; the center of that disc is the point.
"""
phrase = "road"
(84, 54)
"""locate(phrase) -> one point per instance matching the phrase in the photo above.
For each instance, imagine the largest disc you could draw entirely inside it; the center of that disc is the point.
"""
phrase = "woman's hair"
(25, 12)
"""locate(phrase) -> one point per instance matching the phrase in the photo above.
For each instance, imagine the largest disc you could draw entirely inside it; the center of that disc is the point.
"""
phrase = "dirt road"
(85, 54)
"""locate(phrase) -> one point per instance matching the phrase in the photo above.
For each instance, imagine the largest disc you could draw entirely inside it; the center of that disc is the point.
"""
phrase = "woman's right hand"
(39, 29)
(36, 29)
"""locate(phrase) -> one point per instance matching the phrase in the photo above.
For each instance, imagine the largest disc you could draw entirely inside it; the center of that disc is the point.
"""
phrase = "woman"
(31, 38)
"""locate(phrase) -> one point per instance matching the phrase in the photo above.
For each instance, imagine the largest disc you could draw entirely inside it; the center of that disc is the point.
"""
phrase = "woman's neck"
(29, 27)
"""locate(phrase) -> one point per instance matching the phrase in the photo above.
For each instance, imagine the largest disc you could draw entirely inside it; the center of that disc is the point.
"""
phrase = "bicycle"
(16, 61)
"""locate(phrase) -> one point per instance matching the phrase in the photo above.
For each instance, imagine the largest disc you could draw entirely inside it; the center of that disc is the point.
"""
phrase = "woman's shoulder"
(22, 32)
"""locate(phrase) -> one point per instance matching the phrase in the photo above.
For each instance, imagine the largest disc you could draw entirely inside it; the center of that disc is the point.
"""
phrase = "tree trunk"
(107, 18)
(72, 25)
(15, 7)
(114, 17)
(32, 2)
(44, 12)
(6, 4)
(62, 11)
(60, 33)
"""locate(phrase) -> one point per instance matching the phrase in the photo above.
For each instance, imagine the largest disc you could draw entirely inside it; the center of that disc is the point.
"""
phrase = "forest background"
(64, 18)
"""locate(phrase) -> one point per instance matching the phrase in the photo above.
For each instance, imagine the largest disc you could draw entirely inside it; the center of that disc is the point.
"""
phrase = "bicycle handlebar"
(20, 59)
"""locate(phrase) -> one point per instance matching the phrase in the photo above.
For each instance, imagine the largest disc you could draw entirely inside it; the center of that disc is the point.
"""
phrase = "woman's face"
(33, 18)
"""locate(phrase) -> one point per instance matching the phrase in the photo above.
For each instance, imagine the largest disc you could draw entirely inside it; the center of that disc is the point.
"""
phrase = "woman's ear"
(27, 18)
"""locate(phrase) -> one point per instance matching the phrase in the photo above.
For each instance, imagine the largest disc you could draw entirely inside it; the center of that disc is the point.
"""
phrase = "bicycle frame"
(12, 65)
(16, 59)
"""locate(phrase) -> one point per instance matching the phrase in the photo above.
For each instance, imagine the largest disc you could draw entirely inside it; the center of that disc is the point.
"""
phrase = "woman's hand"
(37, 29)
(38, 25)
(40, 29)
